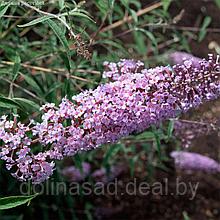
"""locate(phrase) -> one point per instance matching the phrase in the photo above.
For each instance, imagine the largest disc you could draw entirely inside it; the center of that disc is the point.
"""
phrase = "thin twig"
(130, 18)
(47, 70)
(19, 17)
(95, 72)
(169, 27)
(193, 29)
(213, 126)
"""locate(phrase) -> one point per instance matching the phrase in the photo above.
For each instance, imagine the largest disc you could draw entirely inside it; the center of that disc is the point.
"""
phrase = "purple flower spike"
(137, 99)
(195, 162)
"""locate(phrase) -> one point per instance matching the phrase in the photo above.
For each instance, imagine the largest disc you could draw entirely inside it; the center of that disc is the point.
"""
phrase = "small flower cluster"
(194, 162)
(74, 174)
(17, 153)
(114, 70)
(188, 131)
(136, 99)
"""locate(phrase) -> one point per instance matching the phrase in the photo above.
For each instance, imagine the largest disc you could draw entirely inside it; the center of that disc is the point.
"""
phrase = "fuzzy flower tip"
(181, 57)
(194, 162)
(136, 99)
(74, 174)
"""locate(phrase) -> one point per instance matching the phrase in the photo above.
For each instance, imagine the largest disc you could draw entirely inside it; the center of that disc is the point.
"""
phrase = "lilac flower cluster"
(135, 100)
(17, 153)
(114, 70)
(188, 131)
(194, 162)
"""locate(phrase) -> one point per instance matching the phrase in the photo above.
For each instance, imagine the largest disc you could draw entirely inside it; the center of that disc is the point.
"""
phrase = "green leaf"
(88, 210)
(78, 162)
(102, 5)
(111, 3)
(66, 60)
(3, 9)
(111, 152)
(125, 3)
(148, 135)
(27, 102)
(80, 14)
(59, 33)
(150, 36)
(203, 30)
(140, 43)
(36, 21)
(217, 3)
(158, 141)
(166, 4)
(16, 67)
(61, 4)
(132, 162)
(170, 128)
(134, 15)
(185, 216)
(14, 201)
(9, 50)
(32, 83)
(8, 103)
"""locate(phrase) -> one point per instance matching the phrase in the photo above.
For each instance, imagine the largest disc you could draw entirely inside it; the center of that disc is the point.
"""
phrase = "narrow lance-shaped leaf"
(81, 14)
(111, 151)
(8, 103)
(3, 9)
(166, 4)
(170, 128)
(203, 30)
(14, 201)
(61, 4)
(35, 21)
(16, 67)
(32, 83)
(27, 102)
(59, 33)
